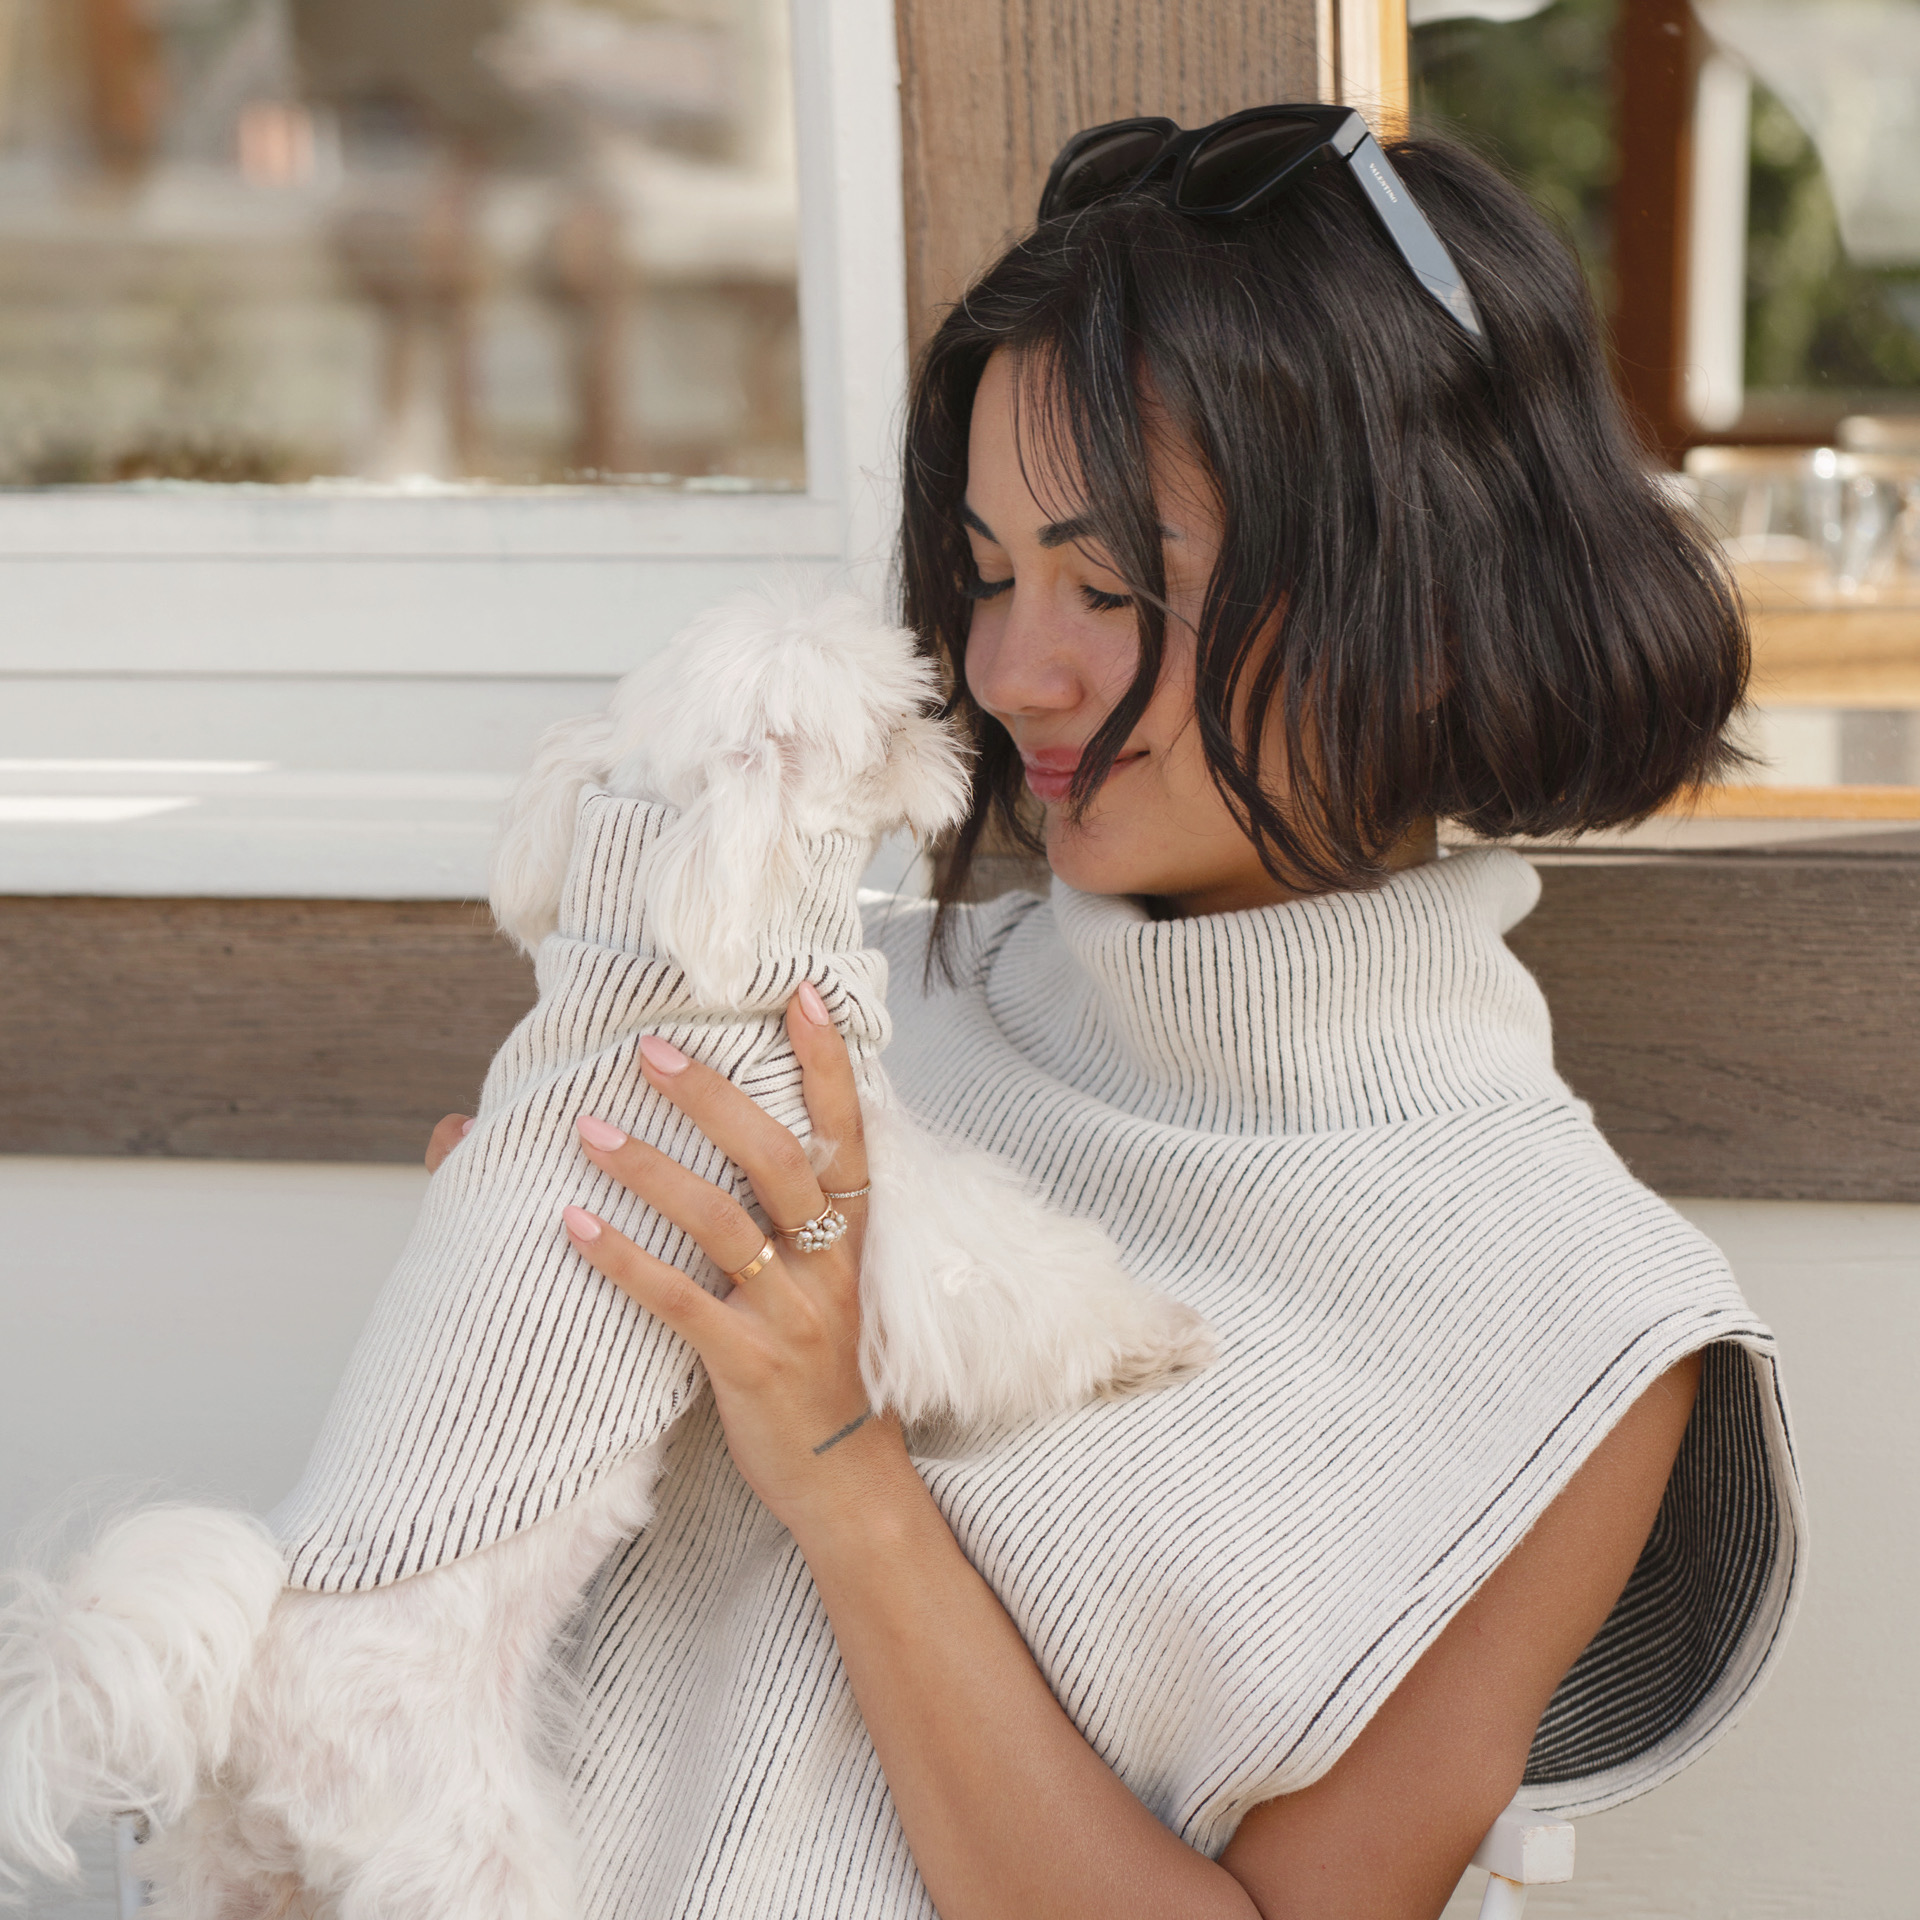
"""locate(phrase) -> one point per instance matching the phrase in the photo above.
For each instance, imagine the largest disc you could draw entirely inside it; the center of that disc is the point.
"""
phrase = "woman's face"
(1050, 652)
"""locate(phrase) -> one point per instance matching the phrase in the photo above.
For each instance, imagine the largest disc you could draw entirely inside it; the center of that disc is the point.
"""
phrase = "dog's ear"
(723, 870)
(928, 779)
(536, 839)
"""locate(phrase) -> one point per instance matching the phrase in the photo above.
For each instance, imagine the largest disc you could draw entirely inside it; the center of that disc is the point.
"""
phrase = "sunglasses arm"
(1408, 229)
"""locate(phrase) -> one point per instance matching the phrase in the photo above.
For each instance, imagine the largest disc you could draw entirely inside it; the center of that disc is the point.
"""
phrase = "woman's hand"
(445, 1137)
(782, 1349)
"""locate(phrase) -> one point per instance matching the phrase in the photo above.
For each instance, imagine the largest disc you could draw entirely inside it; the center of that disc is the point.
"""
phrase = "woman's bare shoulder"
(1392, 1826)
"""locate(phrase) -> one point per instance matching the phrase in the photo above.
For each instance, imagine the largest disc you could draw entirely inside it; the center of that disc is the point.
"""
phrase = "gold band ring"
(753, 1266)
(852, 1193)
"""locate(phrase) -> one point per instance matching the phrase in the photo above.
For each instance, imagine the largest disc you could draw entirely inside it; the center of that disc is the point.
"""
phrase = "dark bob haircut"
(1447, 586)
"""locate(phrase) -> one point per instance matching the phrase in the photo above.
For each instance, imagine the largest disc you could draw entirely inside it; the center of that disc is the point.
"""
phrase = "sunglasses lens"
(1105, 166)
(1237, 161)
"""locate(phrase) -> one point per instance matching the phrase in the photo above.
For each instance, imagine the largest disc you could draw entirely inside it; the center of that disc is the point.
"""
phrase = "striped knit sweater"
(500, 1376)
(1334, 1128)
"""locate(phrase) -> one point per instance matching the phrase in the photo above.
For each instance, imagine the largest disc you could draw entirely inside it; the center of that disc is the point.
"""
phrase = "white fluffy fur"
(982, 1305)
(117, 1687)
(388, 1753)
(765, 724)
(450, 1807)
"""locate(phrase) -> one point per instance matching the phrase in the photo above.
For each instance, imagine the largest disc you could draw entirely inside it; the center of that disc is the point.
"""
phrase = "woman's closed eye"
(978, 589)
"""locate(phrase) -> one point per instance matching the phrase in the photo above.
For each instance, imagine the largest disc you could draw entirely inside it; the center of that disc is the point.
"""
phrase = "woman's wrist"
(868, 1499)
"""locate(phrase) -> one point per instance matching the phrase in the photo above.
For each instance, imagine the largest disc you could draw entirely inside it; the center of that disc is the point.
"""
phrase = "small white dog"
(352, 1712)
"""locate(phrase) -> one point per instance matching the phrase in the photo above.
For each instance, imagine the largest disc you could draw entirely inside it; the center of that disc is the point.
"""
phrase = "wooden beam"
(990, 90)
(246, 1029)
(1370, 67)
(1746, 1025)
(1657, 52)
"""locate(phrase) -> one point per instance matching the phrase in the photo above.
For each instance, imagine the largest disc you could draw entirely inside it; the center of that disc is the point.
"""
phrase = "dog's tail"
(983, 1303)
(118, 1682)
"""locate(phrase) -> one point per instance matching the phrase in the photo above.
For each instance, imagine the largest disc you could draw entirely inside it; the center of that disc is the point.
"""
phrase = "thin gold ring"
(753, 1266)
(852, 1193)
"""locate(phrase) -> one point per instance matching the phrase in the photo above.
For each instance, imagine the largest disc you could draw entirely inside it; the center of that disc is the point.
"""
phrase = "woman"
(1250, 561)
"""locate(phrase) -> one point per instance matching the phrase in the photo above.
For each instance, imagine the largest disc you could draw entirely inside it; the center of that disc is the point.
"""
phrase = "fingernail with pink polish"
(596, 1133)
(580, 1223)
(812, 1005)
(466, 1127)
(662, 1056)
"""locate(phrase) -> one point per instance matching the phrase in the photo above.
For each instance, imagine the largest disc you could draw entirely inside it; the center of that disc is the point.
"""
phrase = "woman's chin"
(1092, 860)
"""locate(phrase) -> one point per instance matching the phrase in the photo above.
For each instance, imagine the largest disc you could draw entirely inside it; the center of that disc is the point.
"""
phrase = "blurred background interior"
(479, 246)
(1742, 181)
(279, 241)
(261, 260)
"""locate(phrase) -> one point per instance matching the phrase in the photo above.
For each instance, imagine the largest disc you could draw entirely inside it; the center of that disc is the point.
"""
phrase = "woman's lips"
(1050, 772)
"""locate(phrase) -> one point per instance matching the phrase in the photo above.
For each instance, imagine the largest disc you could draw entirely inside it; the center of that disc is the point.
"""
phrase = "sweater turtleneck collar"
(1343, 1010)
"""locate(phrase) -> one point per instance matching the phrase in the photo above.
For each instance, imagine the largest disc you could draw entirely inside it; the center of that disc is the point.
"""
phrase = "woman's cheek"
(1115, 847)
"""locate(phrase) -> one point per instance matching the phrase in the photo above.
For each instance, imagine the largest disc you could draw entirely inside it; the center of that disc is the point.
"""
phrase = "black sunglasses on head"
(1237, 165)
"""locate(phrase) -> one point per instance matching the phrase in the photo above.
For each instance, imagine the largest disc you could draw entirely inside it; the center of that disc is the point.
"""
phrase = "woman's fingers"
(721, 1227)
(445, 1137)
(772, 1159)
(827, 1085)
(678, 1299)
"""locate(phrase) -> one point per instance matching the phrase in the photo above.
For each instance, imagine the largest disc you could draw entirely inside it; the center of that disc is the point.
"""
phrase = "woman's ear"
(530, 859)
(723, 870)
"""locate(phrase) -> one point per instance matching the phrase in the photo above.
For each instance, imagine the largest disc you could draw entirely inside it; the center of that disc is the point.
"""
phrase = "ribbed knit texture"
(500, 1376)
(1334, 1128)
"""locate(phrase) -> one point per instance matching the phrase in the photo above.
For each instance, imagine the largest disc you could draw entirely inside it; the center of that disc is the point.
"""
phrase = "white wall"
(176, 1325)
(183, 1323)
(1798, 1813)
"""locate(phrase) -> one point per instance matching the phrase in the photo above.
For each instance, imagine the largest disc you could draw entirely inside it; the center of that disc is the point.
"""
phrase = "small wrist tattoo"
(852, 1426)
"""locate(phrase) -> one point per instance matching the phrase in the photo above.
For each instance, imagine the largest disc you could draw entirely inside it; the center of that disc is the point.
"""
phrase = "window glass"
(1832, 277)
(1828, 316)
(1534, 93)
(1791, 315)
(455, 241)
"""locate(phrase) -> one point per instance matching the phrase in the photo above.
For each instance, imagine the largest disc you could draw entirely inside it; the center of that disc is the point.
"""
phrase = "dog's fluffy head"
(765, 723)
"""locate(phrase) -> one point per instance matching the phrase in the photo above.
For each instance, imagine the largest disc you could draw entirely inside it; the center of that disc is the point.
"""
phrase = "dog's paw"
(1171, 1344)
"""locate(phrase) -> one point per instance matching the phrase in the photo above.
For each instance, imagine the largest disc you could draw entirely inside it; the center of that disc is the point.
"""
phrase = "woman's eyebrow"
(1060, 533)
(1056, 533)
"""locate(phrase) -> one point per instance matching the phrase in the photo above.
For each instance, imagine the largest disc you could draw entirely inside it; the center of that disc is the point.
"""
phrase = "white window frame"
(549, 582)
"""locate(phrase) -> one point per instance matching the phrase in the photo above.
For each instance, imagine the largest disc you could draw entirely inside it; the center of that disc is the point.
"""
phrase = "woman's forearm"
(1008, 1811)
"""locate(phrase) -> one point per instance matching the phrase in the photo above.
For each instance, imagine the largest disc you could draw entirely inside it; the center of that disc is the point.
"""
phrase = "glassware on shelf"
(1881, 433)
(1852, 519)
(1752, 498)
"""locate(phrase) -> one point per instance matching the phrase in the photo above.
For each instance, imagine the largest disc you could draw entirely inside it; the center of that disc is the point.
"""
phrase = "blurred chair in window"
(423, 117)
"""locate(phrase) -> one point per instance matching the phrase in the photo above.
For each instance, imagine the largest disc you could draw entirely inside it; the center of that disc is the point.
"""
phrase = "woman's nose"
(1020, 663)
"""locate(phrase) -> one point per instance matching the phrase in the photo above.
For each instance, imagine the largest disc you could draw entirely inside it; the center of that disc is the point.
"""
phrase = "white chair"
(1522, 1849)
(129, 1836)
